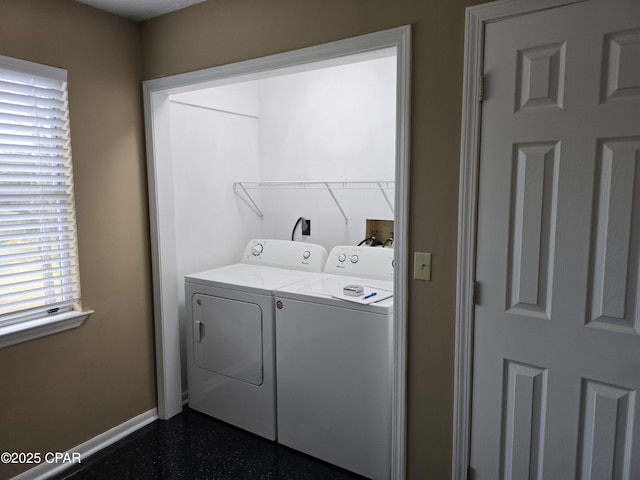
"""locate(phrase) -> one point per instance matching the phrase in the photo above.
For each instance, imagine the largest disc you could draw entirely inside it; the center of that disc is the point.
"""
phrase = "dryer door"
(227, 337)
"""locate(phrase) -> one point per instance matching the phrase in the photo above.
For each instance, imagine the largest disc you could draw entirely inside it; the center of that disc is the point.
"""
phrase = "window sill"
(40, 327)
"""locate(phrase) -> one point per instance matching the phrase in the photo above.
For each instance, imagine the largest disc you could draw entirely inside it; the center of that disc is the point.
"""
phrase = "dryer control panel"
(285, 254)
(362, 261)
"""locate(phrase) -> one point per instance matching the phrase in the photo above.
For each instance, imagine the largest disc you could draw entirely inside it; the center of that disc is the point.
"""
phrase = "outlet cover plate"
(306, 227)
(422, 266)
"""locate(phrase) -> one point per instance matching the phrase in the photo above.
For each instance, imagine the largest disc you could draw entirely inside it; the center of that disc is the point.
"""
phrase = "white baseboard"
(46, 469)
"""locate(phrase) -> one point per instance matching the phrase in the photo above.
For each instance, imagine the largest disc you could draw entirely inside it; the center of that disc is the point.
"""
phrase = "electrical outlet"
(306, 227)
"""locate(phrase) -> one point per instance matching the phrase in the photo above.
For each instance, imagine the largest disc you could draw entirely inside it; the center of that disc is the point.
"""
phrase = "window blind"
(38, 248)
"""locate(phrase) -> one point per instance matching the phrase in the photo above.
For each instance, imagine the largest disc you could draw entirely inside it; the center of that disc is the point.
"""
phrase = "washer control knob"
(257, 249)
(354, 258)
(342, 257)
(306, 254)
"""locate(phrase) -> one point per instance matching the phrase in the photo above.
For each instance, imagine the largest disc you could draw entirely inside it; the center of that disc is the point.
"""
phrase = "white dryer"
(334, 362)
(230, 336)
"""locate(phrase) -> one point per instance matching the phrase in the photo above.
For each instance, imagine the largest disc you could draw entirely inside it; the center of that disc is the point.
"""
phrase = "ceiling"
(139, 10)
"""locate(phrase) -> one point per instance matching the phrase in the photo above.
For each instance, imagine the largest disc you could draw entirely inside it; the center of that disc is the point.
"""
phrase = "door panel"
(557, 325)
(614, 261)
(606, 431)
(532, 235)
(525, 389)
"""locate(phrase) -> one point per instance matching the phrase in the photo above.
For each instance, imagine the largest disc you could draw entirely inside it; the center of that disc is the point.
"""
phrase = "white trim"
(163, 253)
(40, 327)
(288, 62)
(476, 19)
(84, 450)
(165, 281)
(401, 247)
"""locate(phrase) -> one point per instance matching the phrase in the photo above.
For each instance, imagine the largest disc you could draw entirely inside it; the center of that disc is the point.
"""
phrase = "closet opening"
(246, 150)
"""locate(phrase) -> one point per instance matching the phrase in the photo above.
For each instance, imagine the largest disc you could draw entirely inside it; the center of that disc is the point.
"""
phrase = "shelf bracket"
(251, 203)
(346, 219)
(384, 194)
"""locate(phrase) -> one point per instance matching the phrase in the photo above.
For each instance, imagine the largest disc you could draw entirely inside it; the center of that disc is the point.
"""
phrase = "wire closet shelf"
(330, 186)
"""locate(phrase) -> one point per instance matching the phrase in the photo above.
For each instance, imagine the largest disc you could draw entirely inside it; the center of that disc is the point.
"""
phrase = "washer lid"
(328, 289)
(242, 276)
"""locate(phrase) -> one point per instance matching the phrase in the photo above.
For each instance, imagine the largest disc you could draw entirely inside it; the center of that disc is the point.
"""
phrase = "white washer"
(333, 357)
(230, 336)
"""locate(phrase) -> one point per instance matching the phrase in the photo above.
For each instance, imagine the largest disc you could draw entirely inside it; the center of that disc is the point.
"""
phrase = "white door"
(557, 324)
(227, 337)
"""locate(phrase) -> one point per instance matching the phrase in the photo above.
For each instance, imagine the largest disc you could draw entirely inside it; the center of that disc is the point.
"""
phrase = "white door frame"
(476, 19)
(163, 247)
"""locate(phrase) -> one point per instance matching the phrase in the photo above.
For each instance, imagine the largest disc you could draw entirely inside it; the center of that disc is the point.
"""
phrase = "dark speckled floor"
(192, 446)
